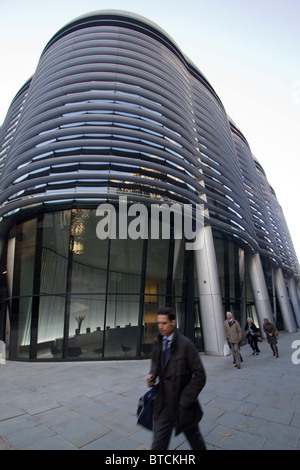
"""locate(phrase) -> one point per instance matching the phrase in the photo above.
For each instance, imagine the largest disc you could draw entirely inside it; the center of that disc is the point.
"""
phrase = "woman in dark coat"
(181, 379)
(251, 330)
(270, 329)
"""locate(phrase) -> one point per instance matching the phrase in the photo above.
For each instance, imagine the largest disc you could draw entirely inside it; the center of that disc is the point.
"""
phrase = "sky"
(248, 50)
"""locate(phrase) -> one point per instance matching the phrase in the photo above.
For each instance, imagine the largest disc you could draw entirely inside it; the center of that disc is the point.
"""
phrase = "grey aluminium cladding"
(114, 106)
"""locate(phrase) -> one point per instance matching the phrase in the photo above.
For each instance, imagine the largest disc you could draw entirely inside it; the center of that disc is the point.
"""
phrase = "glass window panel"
(178, 256)
(122, 331)
(125, 266)
(157, 268)
(53, 279)
(24, 325)
(50, 331)
(122, 337)
(88, 286)
(88, 249)
(23, 286)
(86, 326)
(155, 287)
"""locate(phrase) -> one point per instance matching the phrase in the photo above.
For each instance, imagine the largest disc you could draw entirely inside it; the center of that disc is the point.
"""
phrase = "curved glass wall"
(73, 295)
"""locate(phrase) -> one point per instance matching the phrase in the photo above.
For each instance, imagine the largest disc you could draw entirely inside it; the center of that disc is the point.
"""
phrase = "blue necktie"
(166, 348)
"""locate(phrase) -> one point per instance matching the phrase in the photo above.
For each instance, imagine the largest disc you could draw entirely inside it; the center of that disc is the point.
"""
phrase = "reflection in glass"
(75, 296)
(53, 278)
(122, 332)
(155, 286)
(22, 289)
(88, 279)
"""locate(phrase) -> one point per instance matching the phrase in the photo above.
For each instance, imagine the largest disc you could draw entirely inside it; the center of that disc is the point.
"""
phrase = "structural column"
(284, 301)
(242, 274)
(212, 316)
(294, 299)
(259, 290)
(298, 289)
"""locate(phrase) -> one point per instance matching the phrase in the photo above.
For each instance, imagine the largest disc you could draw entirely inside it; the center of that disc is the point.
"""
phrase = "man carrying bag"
(177, 365)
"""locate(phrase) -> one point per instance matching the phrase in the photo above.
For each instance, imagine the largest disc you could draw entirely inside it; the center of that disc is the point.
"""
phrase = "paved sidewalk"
(92, 405)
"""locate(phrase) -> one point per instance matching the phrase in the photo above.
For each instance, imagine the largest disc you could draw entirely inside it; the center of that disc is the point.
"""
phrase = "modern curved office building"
(116, 122)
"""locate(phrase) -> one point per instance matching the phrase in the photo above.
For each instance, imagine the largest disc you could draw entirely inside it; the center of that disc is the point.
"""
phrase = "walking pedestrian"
(177, 365)
(251, 331)
(233, 334)
(269, 329)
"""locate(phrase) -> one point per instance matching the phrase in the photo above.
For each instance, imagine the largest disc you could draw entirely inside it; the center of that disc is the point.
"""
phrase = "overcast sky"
(248, 50)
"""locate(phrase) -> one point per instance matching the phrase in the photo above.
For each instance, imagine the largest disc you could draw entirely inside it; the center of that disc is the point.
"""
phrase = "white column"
(242, 273)
(284, 301)
(294, 299)
(298, 289)
(259, 290)
(212, 316)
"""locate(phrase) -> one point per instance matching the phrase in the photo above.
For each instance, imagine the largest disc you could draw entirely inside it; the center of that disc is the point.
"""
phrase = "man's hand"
(150, 379)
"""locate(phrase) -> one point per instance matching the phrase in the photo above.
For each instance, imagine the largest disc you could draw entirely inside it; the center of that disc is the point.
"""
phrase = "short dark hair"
(167, 311)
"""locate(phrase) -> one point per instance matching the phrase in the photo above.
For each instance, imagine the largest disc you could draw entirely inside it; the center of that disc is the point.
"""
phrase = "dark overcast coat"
(181, 380)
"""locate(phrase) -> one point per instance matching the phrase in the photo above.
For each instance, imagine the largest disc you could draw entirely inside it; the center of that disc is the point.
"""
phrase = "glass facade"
(73, 295)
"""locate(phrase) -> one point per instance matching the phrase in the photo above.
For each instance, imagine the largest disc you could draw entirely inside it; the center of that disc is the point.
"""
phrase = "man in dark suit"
(177, 365)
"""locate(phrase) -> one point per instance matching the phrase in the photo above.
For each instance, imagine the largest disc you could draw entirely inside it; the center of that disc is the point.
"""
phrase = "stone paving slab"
(92, 405)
